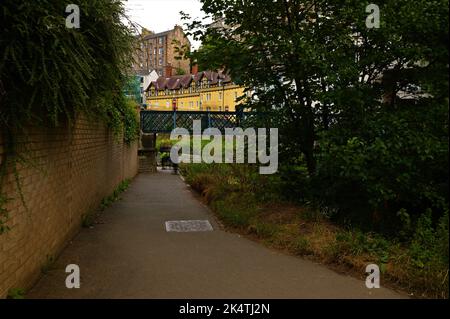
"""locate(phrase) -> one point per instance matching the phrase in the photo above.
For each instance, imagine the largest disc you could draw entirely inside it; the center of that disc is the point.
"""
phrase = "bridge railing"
(166, 121)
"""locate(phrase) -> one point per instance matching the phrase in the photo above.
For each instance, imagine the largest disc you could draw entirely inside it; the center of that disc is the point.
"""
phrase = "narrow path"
(130, 255)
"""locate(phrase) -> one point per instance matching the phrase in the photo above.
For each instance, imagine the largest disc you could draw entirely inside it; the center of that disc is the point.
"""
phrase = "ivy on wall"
(50, 73)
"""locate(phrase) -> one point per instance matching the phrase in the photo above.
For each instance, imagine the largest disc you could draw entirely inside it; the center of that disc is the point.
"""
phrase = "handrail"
(165, 121)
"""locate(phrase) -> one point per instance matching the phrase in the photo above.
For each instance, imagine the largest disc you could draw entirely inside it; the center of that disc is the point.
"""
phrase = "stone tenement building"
(203, 91)
(156, 51)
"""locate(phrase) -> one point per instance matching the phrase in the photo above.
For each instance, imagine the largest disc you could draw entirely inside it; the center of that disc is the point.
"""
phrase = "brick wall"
(74, 168)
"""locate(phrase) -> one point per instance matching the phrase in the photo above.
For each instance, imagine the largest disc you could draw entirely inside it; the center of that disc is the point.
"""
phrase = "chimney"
(194, 69)
(168, 71)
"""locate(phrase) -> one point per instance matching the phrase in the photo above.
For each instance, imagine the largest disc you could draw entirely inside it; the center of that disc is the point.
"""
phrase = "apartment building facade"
(204, 91)
(157, 51)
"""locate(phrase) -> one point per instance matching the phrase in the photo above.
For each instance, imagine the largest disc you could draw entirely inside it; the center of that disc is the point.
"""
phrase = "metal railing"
(166, 121)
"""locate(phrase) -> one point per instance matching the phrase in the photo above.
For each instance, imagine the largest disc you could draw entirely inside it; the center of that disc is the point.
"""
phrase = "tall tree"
(316, 63)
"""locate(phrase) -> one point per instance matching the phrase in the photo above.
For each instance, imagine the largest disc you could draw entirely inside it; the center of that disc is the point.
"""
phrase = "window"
(154, 51)
(160, 61)
(160, 51)
(161, 40)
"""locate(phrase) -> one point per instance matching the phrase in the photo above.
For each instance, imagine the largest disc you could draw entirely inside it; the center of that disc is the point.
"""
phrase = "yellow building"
(204, 91)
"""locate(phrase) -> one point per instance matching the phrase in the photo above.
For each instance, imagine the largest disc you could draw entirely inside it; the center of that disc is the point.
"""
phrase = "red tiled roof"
(178, 81)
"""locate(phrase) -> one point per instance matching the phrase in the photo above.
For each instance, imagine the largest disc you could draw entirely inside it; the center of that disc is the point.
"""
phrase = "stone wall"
(68, 172)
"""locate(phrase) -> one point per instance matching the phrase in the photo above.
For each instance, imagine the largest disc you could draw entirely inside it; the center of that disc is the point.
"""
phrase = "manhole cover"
(188, 226)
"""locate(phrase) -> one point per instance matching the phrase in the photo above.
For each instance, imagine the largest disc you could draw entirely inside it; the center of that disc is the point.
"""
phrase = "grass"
(417, 266)
(165, 141)
(88, 219)
(48, 264)
(115, 196)
(16, 293)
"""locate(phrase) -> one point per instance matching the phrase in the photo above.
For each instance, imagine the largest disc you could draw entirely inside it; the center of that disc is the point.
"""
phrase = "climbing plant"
(50, 73)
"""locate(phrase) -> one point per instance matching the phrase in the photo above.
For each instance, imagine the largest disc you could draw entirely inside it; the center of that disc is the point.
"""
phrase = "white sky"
(162, 15)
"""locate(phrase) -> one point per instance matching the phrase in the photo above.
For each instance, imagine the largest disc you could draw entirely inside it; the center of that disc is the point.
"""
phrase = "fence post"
(239, 115)
(209, 120)
(174, 119)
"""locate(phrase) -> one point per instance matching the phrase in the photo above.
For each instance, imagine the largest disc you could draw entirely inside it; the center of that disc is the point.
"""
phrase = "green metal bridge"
(166, 121)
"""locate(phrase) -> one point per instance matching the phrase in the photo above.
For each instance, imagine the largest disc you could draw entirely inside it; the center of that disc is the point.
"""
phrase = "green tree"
(367, 109)
(50, 72)
(313, 61)
(180, 71)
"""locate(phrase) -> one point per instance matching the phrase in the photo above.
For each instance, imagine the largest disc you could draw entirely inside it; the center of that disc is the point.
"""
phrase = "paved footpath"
(130, 255)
